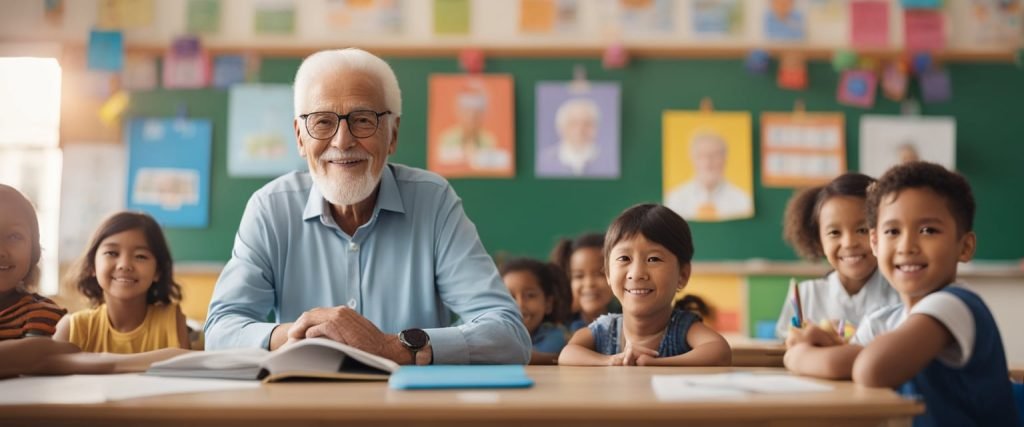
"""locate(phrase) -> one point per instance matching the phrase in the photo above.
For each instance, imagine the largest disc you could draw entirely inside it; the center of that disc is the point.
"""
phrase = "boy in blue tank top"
(940, 343)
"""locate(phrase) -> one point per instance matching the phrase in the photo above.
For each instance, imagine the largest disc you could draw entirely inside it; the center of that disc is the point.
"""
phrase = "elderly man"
(709, 196)
(577, 152)
(365, 252)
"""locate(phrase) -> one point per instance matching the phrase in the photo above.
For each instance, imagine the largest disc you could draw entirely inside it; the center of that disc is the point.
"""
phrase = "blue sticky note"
(228, 70)
(459, 376)
(106, 50)
(936, 86)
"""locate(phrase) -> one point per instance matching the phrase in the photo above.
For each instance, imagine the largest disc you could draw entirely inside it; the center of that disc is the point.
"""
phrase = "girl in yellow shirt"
(128, 275)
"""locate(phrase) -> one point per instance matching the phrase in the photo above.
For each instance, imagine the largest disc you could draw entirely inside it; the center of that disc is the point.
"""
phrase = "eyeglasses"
(324, 124)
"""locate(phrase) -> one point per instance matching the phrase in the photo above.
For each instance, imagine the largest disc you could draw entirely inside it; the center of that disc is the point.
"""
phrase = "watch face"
(414, 338)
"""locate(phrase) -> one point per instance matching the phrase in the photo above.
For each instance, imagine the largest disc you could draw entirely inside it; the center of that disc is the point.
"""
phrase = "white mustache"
(334, 155)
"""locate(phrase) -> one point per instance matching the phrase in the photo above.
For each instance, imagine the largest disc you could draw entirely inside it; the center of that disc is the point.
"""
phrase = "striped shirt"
(32, 315)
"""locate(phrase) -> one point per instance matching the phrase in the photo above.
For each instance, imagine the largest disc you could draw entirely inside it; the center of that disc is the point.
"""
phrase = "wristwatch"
(415, 340)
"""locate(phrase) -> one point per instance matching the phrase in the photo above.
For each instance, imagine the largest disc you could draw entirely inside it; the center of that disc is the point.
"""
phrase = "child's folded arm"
(832, 362)
(895, 357)
(580, 351)
(708, 348)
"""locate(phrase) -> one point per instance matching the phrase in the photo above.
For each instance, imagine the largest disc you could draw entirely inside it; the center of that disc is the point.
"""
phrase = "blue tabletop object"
(459, 376)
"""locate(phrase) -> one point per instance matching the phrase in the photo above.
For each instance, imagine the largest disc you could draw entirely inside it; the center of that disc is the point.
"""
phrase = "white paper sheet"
(730, 386)
(85, 389)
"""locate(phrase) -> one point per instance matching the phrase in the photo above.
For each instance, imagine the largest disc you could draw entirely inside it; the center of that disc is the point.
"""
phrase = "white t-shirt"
(944, 307)
(826, 298)
(728, 200)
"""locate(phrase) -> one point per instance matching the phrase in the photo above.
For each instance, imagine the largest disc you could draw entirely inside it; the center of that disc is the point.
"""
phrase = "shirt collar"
(388, 197)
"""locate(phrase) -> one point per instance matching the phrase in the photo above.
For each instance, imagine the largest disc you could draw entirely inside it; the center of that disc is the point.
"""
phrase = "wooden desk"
(562, 396)
(751, 352)
(1017, 371)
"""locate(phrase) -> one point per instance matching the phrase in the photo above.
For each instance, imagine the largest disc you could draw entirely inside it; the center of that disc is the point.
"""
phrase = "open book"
(309, 358)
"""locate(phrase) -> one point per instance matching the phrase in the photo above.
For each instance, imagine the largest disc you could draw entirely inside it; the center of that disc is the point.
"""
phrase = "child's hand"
(633, 355)
(813, 335)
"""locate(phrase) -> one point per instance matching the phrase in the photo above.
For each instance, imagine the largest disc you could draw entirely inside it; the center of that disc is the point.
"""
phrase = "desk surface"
(563, 396)
(755, 352)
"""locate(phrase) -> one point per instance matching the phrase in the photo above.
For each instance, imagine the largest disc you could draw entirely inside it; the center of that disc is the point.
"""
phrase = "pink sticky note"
(923, 30)
(869, 23)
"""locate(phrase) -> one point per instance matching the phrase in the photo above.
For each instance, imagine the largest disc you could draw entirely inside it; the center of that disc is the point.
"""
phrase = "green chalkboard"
(525, 215)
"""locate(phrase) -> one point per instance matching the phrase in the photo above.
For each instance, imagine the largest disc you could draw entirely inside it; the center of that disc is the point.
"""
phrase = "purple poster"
(577, 130)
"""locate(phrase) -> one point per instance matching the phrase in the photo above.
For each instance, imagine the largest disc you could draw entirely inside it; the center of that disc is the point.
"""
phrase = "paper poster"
(707, 165)
(228, 70)
(991, 22)
(87, 168)
(869, 23)
(139, 73)
(857, 88)
(169, 170)
(274, 17)
(261, 137)
(923, 30)
(785, 20)
(936, 86)
(716, 18)
(35, 172)
(106, 51)
(802, 149)
(451, 17)
(203, 17)
(124, 14)
(921, 4)
(376, 16)
(724, 294)
(641, 16)
(886, 141)
(471, 126)
(548, 16)
(577, 130)
(828, 22)
(186, 65)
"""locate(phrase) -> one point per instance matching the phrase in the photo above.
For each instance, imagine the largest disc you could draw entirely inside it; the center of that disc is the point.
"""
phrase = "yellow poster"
(124, 14)
(707, 166)
(725, 299)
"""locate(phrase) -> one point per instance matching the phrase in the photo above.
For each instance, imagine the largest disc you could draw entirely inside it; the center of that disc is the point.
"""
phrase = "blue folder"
(459, 376)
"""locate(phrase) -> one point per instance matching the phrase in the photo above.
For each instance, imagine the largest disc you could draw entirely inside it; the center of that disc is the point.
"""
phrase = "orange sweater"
(33, 314)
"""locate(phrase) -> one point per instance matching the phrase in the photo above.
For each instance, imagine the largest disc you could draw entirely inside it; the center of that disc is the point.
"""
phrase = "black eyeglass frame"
(341, 118)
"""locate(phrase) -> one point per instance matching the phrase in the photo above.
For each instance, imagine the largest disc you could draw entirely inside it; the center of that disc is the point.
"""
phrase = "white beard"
(349, 191)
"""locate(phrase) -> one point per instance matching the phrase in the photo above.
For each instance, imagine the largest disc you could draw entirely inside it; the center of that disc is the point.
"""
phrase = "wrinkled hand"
(813, 335)
(633, 355)
(341, 324)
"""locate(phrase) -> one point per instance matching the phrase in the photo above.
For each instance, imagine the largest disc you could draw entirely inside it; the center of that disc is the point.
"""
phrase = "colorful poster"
(470, 126)
(203, 17)
(886, 141)
(869, 24)
(716, 18)
(187, 65)
(274, 17)
(924, 30)
(577, 130)
(802, 149)
(998, 22)
(88, 167)
(642, 16)
(452, 17)
(724, 296)
(828, 22)
(785, 20)
(139, 73)
(707, 165)
(124, 14)
(106, 51)
(169, 170)
(548, 16)
(261, 135)
(377, 16)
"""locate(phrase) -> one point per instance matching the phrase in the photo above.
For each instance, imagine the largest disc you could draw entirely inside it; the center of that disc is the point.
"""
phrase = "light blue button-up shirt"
(416, 262)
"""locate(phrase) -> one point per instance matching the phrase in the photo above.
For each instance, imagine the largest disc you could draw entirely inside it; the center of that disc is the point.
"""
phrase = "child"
(941, 342)
(538, 290)
(583, 261)
(128, 273)
(698, 306)
(829, 222)
(22, 313)
(647, 250)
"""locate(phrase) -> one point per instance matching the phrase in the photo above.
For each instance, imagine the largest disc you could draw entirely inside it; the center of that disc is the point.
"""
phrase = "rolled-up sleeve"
(492, 330)
(244, 295)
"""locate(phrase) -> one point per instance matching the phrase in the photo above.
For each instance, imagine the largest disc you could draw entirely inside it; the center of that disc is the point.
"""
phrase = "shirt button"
(353, 247)
(352, 303)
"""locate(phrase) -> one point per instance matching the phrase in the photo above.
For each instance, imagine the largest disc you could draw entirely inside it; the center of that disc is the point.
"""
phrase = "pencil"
(796, 297)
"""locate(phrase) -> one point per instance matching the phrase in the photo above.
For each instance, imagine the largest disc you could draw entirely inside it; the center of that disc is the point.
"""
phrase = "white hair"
(326, 62)
(584, 105)
(706, 136)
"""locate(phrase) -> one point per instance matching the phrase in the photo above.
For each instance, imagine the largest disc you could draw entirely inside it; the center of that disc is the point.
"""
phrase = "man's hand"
(813, 335)
(344, 325)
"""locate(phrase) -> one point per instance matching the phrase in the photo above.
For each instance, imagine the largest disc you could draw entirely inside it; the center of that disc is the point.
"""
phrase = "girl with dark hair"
(540, 293)
(582, 261)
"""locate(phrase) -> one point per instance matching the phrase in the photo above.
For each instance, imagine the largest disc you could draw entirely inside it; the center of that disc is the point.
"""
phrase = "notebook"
(460, 376)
